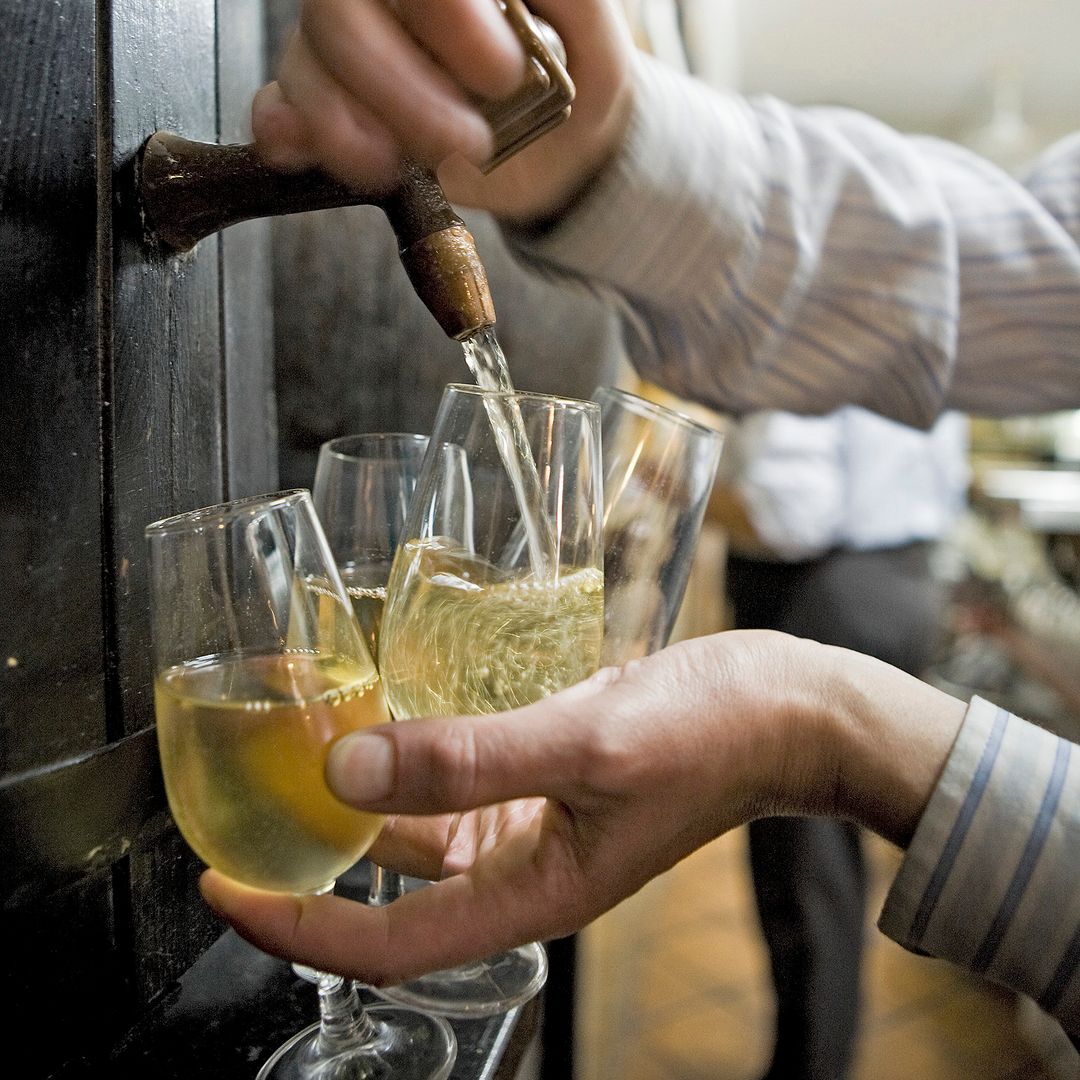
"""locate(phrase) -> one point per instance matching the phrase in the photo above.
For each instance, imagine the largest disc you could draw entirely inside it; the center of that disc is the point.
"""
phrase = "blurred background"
(1000, 77)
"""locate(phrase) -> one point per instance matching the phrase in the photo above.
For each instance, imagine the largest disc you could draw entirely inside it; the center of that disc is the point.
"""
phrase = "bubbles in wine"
(461, 636)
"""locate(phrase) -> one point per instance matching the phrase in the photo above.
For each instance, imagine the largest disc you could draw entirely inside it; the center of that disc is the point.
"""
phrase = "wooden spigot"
(188, 190)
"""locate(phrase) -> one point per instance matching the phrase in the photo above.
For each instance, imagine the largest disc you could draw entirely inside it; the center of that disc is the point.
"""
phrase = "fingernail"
(504, 37)
(360, 769)
(477, 143)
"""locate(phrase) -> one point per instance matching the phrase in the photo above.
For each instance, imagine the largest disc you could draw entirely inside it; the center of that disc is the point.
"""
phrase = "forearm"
(774, 257)
(988, 809)
(890, 735)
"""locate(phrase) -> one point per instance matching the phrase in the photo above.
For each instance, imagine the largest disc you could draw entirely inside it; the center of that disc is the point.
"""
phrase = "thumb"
(435, 766)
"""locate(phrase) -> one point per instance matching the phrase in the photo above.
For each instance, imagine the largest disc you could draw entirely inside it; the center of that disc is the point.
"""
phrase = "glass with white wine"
(363, 486)
(260, 669)
(476, 623)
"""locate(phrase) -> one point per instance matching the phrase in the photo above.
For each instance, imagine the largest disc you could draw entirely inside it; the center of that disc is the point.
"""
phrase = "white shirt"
(850, 480)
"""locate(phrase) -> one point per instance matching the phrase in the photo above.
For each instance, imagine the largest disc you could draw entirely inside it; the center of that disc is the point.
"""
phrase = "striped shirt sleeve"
(991, 879)
(766, 256)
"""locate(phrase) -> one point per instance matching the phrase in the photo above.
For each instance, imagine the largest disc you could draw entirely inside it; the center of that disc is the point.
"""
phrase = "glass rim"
(654, 408)
(580, 404)
(334, 447)
(221, 513)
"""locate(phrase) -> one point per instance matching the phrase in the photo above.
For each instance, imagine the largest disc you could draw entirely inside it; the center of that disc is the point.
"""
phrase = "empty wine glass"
(500, 614)
(659, 468)
(260, 668)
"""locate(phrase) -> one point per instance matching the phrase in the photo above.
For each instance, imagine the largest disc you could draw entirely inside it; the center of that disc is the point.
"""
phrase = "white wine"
(243, 744)
(366, 586)
(486, 361)
(460, 637)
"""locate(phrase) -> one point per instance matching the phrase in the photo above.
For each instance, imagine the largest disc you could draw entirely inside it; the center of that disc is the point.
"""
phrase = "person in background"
(831, 523)
(763, 257)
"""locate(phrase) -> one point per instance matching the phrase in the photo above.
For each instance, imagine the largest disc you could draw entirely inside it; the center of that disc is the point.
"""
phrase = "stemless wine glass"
(481, 622)
(260, 669)
(659, 468)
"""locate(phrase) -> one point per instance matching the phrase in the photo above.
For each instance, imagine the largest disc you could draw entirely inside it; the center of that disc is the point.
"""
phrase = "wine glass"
(363, 485)
(480, 621)
(260, 668)
(659, 468)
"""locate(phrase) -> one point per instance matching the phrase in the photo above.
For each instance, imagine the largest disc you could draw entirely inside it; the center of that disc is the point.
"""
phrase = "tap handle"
(189, 189)
(544, 98)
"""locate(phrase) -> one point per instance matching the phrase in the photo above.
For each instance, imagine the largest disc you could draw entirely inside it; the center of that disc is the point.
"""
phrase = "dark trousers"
(809, 876)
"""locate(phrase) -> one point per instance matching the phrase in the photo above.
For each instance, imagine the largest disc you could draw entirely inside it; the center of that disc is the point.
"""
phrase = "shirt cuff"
(991, 879)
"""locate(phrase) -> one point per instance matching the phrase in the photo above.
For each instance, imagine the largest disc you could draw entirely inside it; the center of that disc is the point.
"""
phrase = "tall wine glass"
(363, 486)
(659, 468)
(260, 669)
(473, 625)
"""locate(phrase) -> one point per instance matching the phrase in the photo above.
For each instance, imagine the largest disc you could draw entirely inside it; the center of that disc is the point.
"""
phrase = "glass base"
(404, 1045)
(493, 986)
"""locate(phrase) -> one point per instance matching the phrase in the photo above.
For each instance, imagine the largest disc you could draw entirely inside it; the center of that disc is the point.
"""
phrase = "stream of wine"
(487, 363)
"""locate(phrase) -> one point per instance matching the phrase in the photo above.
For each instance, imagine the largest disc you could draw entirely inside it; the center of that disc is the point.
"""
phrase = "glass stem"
(386, 885)
(343, 1023)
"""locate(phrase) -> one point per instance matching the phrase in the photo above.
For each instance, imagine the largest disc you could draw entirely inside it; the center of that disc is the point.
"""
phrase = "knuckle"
(607, 761)
(612, 751)
(452, 765)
